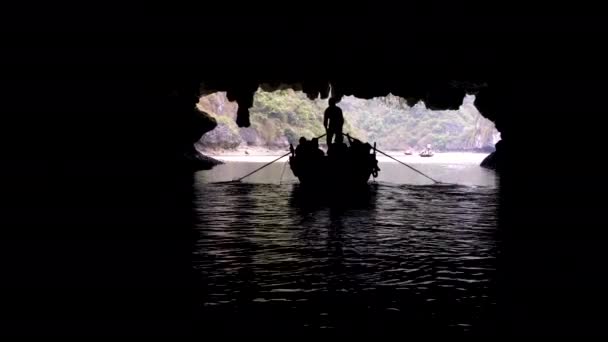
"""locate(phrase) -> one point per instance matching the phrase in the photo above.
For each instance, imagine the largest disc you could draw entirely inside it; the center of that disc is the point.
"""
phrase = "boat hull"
(328, 173)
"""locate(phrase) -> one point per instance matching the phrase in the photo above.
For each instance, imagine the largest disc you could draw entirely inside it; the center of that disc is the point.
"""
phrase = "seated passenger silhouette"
(302, 147)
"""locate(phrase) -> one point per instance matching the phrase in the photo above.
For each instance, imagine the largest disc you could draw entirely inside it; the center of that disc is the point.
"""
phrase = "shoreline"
(264, 151)
(262, 155)
(244, 151)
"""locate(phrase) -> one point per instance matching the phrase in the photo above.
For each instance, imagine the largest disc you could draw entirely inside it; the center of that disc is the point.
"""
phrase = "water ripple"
(398, 256)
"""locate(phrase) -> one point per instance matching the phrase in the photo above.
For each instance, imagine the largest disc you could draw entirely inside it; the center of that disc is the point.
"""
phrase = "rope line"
(263, 166)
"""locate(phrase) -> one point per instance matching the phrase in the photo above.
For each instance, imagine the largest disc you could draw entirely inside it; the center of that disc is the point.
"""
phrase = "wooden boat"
(408, 153)
(426, 154)
(344, 166)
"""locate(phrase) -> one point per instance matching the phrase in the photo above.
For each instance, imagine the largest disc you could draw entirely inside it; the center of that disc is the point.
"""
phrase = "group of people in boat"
(308, 149)
(355, 157)
(310, 152)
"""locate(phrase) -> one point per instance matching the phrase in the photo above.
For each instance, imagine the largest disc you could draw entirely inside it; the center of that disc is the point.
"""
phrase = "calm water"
(404, 256)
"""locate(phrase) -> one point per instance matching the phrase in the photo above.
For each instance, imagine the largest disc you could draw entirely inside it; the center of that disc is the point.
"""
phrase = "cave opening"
(280, 117)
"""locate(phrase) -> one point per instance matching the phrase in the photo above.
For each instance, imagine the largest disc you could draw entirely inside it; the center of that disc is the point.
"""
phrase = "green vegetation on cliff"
(281, 117)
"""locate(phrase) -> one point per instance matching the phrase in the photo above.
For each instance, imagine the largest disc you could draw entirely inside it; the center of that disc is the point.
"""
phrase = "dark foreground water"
(407, 258)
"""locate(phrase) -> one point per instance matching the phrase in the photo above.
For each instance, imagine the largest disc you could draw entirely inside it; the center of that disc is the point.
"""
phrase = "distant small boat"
(408, 153)
(427, 152)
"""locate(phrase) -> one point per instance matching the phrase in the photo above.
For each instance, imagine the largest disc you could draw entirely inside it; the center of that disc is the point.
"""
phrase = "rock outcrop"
(221, 137)
(493, 160)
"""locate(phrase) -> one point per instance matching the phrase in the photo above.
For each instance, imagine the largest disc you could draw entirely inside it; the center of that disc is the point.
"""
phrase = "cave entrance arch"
(278, 118)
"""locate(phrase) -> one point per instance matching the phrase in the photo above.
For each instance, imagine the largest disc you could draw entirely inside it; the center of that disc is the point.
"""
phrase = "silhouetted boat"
(408, 153)
(345, 167)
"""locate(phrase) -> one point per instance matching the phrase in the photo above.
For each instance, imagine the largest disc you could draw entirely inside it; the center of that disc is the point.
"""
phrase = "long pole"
(399, 161)
(263, 166)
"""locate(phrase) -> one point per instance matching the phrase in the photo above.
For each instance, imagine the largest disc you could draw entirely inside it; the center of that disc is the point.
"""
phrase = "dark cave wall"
(94, 112)
(121, 97)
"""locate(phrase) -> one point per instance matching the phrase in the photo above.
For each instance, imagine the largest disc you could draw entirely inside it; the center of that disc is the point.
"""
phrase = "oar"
(399, 161)
(263, 166)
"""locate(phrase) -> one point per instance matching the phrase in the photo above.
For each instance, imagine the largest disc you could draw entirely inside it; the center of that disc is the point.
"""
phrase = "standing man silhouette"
(333, 121)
